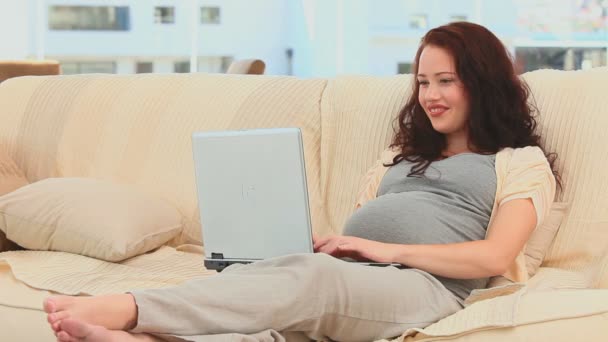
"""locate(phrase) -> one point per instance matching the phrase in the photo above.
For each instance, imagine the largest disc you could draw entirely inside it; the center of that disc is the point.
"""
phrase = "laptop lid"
(252, 194)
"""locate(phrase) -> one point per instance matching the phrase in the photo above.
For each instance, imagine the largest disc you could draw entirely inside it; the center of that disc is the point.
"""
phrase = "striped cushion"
(137, 129)
(11, 178)
(573, 123)
(358, 113)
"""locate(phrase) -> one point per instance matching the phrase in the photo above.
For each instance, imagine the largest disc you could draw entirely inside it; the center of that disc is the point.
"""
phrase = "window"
(182, 67)
(70, 68)
(458, 17)
(226, 61)
(418, 21)
(404, 68)
(562, 58)
(210, 15)
(106, 18)
(164, 15)
(144, 67)
(214, 64)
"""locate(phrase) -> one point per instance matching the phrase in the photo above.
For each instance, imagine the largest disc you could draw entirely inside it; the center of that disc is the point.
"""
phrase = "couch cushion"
(358, 113)
(542, 237)
(11, 178)
(573, 122)
(21, 315)
(137, 128)
(557, 316)
(88, 217)
(552, 295)
(73, 274)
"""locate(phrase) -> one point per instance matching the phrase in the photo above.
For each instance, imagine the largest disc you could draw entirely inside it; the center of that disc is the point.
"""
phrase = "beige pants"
(315, 295)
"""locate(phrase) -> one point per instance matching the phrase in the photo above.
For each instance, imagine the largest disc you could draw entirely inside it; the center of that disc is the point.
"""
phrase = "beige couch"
(136, 130)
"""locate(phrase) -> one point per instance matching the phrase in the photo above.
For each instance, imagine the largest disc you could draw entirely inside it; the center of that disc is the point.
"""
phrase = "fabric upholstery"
(137, 129)
(358, 116)
(573, 121)
(560, 315)
(88, 217)
(22, 318)
(11, 178)
(540, 241)
(79, 275)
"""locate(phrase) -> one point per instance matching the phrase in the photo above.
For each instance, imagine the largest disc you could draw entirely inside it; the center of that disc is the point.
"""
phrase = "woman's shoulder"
(521, 155)
(521, 158)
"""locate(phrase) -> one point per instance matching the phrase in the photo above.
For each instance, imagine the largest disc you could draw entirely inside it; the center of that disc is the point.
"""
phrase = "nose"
(431, 93)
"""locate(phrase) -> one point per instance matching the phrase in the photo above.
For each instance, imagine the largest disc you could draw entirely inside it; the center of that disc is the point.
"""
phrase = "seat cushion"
(21, 314)
(556, 315)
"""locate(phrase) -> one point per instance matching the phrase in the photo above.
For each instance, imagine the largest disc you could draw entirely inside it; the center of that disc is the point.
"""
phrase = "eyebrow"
(439, 73)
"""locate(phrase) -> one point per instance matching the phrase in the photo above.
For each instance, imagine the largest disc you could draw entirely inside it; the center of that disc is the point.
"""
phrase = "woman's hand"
(355, 248)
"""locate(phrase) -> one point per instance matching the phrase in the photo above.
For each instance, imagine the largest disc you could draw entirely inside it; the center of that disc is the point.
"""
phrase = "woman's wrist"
(399, 253)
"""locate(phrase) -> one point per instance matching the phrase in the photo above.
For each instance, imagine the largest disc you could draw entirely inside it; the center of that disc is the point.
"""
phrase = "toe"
(63, 336)
(57, 316)
(76, 328)
(49, 305)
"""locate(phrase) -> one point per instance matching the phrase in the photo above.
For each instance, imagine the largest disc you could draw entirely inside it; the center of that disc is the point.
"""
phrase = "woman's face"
(441, 93)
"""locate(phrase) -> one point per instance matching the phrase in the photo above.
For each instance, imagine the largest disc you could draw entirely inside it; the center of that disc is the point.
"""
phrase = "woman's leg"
(115, 312)
(313, 293)
(317, 294)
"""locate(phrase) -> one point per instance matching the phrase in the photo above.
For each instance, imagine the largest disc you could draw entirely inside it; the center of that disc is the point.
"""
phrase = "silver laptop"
(252, 195)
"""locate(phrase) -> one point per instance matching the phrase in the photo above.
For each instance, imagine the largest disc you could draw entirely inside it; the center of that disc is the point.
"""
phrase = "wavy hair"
(500, 114)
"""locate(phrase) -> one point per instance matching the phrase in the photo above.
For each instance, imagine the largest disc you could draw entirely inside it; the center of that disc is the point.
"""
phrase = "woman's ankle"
(132, 312)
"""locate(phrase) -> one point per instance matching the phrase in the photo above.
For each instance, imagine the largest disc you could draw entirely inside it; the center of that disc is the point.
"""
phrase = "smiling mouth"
(437, 111)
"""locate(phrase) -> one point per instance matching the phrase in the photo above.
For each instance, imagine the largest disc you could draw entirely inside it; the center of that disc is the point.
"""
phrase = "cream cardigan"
(520, 173)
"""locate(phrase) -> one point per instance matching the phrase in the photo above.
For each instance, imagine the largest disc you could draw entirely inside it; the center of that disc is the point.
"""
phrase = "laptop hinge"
(217, 255)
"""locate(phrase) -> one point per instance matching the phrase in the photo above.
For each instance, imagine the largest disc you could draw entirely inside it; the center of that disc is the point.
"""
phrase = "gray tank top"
(451, 203)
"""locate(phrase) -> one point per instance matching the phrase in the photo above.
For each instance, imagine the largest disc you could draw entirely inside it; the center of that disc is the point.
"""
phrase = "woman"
(465, 159)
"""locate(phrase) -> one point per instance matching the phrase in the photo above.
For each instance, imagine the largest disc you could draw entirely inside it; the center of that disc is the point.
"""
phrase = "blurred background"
(305, 38)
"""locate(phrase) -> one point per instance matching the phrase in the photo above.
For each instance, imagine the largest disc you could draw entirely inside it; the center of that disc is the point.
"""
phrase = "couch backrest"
(358, 114)
(574, 121)
(137, 129)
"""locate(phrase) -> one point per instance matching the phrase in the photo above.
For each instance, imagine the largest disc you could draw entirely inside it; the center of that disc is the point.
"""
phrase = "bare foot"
(114, 312)
(72, 330)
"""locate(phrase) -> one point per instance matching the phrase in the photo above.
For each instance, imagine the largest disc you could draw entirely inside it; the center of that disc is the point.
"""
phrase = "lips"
(437, 110)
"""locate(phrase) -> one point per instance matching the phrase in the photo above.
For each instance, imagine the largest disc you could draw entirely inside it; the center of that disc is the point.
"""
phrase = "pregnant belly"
(415, 218)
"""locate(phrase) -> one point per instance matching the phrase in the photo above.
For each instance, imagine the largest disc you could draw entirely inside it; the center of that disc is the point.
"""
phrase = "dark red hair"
(500, 115)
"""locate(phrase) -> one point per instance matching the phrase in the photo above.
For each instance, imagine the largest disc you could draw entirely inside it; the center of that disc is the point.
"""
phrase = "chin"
(442, 129)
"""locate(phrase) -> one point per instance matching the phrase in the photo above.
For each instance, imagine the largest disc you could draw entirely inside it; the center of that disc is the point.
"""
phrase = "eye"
(446, 80)
(423, 83)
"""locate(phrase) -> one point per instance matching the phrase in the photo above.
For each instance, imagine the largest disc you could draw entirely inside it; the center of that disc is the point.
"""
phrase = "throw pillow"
(539, 242)
(89, 217)
(11, 178)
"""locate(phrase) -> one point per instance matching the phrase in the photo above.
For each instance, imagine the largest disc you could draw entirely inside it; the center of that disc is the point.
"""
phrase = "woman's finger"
(322, 241)
(331, 246)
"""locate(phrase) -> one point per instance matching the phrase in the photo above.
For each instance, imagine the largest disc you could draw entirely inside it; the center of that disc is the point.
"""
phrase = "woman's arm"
(513, 225)
(511, 228)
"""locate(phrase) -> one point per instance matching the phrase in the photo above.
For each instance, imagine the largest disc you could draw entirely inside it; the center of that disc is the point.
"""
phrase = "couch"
(136, 130)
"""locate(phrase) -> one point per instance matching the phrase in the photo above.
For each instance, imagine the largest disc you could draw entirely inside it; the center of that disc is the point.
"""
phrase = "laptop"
(252, 195)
